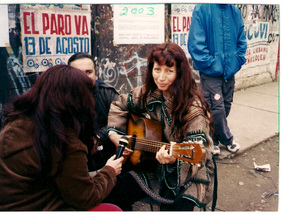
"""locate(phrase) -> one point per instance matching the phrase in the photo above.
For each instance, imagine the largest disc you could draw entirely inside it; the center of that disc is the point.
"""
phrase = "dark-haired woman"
(169, 96)
(44, 145)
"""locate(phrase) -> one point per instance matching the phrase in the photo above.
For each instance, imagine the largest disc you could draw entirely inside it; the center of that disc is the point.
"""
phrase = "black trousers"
(127, 192)
(180, 205)
(219, 94)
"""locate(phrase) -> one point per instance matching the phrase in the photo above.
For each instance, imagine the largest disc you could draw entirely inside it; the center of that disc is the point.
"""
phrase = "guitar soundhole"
(133, 142)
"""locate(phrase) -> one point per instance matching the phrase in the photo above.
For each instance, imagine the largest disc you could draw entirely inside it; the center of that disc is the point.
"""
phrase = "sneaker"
(217, 150)
(234, 147)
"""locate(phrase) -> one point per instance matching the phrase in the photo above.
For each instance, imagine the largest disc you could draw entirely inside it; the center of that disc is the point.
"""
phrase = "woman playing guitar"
(169, 96)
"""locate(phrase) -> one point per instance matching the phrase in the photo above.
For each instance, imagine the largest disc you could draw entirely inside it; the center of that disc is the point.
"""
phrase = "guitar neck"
(149, 145)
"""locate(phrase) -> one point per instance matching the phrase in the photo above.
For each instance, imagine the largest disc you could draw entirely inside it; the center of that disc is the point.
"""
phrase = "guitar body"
(145, 142)
(139, 127)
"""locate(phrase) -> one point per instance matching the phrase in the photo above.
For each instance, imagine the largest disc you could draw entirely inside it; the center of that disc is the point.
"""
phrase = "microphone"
(123, 142)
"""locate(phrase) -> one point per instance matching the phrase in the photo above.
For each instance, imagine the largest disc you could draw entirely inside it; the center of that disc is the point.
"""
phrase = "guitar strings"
(149, 145)
(154, 146)
(184, 151)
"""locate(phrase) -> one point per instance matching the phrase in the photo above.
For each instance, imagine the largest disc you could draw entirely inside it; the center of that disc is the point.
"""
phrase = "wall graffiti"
(123, 65)
(243, 10)
(260, 33)
(273, 37)
(132, 76)
(270, 13)
(13, 80)
(16, 74)
(14, 83)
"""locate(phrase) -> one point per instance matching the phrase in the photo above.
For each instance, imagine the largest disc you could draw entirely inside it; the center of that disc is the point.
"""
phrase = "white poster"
(4, 26)
(258, 50)
(139, 23)
(52, 33)
(257, 55)
(180, 24)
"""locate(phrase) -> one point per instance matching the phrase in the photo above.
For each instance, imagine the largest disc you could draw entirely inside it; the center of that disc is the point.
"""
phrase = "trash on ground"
(263, 168)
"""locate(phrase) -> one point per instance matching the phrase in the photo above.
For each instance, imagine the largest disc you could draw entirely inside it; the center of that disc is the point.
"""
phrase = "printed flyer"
(139, 23)
(51, 33)
(181, 15)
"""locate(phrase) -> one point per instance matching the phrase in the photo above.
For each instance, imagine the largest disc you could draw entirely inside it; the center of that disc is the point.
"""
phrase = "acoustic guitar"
(146, 135)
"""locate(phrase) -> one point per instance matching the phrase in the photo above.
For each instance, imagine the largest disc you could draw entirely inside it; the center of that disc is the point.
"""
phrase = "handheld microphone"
(123, 142)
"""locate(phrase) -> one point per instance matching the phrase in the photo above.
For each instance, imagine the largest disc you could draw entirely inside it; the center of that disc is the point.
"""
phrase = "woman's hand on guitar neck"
(115, 138)
(163, 157)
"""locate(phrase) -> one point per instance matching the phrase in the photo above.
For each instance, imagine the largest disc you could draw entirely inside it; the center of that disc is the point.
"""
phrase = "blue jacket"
(216, 41)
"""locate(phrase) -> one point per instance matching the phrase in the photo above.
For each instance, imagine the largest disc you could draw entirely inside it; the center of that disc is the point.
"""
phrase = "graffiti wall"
(123, 65)
(119, 38)
(262, 33)
(13, 80)
(120, 64)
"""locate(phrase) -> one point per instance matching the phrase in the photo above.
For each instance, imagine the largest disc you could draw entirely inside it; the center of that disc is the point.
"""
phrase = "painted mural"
(262, 33)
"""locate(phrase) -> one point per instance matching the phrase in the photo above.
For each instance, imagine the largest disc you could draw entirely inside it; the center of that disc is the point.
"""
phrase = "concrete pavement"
(254, 116)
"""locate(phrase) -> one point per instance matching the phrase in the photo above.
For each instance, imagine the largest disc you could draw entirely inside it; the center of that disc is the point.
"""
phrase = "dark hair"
(80, 55)
(184, 87)
(60, 99)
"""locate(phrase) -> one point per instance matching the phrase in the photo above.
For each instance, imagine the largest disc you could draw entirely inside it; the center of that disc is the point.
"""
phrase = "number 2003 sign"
(138, 23)
(140, 10)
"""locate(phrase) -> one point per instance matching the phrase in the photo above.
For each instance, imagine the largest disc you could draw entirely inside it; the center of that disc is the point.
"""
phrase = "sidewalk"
(253, 119)
(254, 116)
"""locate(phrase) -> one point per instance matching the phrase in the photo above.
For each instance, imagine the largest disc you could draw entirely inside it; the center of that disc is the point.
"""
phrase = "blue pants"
(219, 94)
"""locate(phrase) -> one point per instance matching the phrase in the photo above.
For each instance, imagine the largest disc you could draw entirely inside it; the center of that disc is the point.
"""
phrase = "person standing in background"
(217, 45)
(104, 95)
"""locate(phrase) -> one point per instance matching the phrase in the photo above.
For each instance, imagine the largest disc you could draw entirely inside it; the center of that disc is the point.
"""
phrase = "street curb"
(228, 155)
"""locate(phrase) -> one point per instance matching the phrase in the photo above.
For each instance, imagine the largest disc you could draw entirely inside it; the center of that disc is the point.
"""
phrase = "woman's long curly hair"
(184, 89)
(60, 99)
